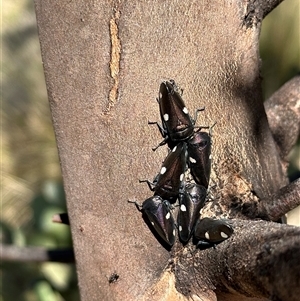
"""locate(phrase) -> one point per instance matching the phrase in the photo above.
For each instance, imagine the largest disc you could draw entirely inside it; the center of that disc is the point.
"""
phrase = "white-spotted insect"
(177, 124)
(199, 157)
(210, 232)
(168, 182)
(191, 201)
(158, 212)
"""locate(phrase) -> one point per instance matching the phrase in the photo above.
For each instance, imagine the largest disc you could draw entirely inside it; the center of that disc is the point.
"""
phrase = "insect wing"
(191, 201)
(174, 114)
(199, 157)
(169, 181)
(212, 231)
(159, 214)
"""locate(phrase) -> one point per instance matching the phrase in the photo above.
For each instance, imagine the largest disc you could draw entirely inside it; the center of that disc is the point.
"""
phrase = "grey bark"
(103, 64)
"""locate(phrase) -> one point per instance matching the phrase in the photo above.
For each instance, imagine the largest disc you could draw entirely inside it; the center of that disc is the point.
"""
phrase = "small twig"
(286, 199)
(35, 254)
(61, 218)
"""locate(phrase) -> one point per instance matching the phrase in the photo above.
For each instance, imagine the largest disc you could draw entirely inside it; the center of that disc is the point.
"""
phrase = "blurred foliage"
(31, 183)
(280, 46)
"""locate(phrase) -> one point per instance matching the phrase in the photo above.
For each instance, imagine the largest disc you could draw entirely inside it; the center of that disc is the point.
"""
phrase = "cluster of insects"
(184, 175)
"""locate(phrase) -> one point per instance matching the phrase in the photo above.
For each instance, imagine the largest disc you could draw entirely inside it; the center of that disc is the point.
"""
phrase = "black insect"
(191, 200)
(113, 277)
(177, 124)
(199, 157)
(210, 232)
(168, 182)
(158, 212)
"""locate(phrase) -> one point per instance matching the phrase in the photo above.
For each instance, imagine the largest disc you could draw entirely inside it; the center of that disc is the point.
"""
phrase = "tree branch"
(268, 5)
(256, 272)
(256, 10)
(100, 120)
(273, 208)
(283, 112)
(35, 254)
(286, 199)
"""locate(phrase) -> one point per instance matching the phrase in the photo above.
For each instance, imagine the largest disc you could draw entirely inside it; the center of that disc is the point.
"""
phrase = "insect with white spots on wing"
(168, 182)
(177, 124)
(191, 201)
(158, 212)
(210, 232)
(199, 157)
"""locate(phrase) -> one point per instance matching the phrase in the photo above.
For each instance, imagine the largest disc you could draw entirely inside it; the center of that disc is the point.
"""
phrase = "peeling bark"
(115, 59)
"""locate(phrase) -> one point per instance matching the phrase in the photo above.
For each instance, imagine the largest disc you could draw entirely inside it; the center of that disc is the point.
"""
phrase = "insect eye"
(202, 144)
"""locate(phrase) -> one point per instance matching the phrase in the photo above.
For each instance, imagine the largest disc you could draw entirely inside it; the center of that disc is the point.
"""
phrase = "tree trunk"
(103, 64)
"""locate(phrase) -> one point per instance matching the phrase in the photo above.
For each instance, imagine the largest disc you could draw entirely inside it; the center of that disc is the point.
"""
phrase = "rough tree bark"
(103, 62)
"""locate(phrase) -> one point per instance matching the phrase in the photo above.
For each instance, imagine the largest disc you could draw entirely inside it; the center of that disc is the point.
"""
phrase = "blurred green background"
(31, 181)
